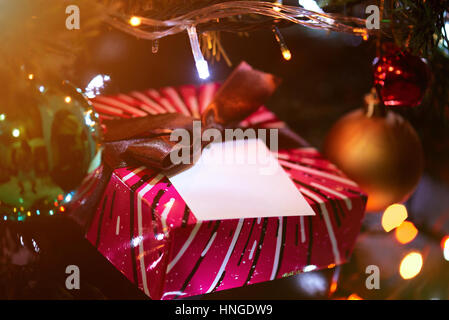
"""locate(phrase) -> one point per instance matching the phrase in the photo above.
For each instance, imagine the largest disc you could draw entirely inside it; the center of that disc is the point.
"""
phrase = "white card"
(239, 179)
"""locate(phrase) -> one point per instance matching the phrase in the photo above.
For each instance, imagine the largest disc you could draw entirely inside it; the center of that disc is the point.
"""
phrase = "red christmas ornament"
(400, 78)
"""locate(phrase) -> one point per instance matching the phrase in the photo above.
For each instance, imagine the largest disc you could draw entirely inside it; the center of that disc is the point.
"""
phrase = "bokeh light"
(411, 265)
(445, 247)
(354, 296)
(15, 133)
(393, 216)
(406, 232)
(135, 21)
(286, 54)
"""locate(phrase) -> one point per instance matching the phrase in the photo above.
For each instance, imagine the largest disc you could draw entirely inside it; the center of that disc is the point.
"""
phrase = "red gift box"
(146, 230)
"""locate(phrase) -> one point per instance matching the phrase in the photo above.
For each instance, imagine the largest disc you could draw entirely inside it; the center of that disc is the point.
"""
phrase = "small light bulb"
(135, 21)
(31, 76)
(445, 247)
(203, 69)
(282, 45)
(277, 4)
(200, 62)
(68, 99)
(15, 133)
(286, 54)
(309, 268)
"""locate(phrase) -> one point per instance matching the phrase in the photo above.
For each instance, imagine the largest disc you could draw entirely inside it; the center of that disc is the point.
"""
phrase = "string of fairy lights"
(308, 14)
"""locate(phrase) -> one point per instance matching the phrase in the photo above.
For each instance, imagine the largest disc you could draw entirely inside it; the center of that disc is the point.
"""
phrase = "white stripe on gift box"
(163, 102)
(148, 102)
(116, 103)
(164, 215)
(189, 94)
(303, 234)
(117, 226)
(141, 104)
(207, 92)
(261, 117)
(228, 255)
(335, 193)
(133, 173)
(184, 247)
(102, 108)
(209, 244)
(273, 125)
(317, 172)
(327, 221)
(170, 92)
(278, 249)
(252, 250)
(141, 257)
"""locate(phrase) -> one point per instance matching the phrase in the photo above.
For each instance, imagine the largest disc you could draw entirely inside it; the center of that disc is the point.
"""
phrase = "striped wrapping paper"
(146, 230)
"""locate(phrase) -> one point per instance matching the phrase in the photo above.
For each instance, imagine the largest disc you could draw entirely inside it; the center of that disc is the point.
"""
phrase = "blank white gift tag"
(239, 179)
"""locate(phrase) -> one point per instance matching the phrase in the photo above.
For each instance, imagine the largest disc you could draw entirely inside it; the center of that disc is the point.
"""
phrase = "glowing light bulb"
(68, 198)
(411, 265)
(276, 5)
(354, 296)
(406, 232)
(200, 62)
(393, 216)
(203, 69)
(281, 42)
(445, 247)
(68, 99)
(15, 133)
(96, 84)
(310, 5)
(287, 54)
(135, 21)
(309, 268)
(31, 76)
(2, 117)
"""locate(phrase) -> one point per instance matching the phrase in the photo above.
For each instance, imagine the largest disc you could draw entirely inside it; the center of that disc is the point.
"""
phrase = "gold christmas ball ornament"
(379, 150)
(49, 143)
